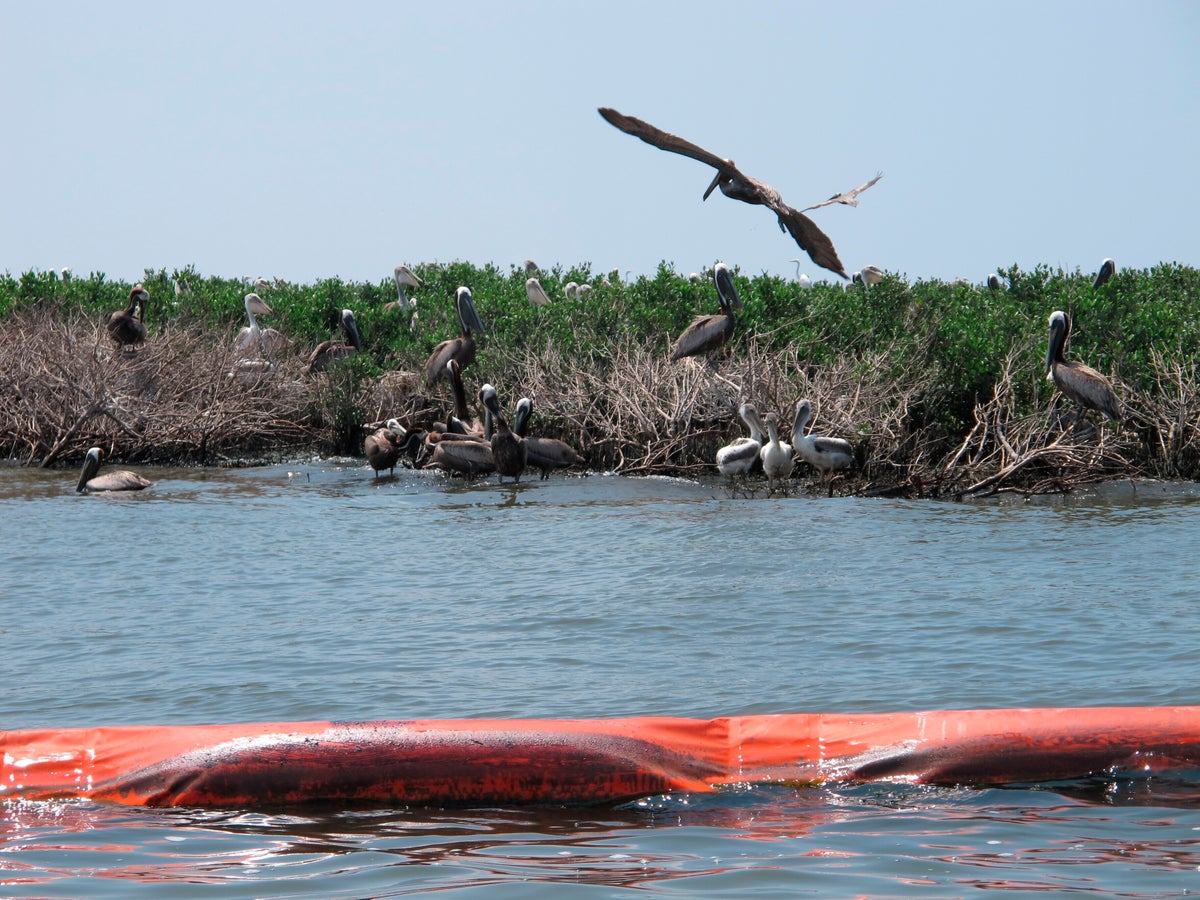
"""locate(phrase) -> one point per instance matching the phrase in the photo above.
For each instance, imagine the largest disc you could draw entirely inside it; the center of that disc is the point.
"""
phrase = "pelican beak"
(715, 182)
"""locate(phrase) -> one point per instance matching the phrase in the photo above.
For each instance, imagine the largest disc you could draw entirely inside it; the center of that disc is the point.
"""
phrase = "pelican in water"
(536, 293)
(268, 341)
(405, 279)
(508, 447)
(462, 347)
(709, 333)
(776, 455)
(739, 457)
(469, 458)
(1077, 381)
(994, 283)
(850, 198)
(545, 454)
(330, 350)
(383, 447)
(737, 186)
(1107, 269)
(109, 481)
(825, 454)
(125, 325)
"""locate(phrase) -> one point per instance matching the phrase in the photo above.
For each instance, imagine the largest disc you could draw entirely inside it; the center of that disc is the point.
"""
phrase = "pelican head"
(721, 179)
(1060, 330)
(394, 426)
(489, 398)
(531, 268)
(726, 290)
(993, 282)
(91, 465)
(405, 277)
(1107, 269)
(351, 328)
(256, 306)
(464, 304)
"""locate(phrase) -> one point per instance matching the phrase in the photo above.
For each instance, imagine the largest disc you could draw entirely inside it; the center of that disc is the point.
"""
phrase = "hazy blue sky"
(308, 140)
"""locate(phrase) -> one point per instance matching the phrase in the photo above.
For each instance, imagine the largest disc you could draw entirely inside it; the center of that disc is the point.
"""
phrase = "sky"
(307, 140)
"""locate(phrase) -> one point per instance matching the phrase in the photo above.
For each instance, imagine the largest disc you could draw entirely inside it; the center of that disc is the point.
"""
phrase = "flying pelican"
(508, 447)
(125, 325)
(327, 351)
(109, 481)
(708, 333)
(252, 337)
(545, 454)
(738, 458)
(736, 186)
(382, 447)
(825, 454)
(776, 455)
(850, 198)
(462, 347)
(536, 293)
(1077, 381)
(1107, 269)
(994, 283)
(405, 278)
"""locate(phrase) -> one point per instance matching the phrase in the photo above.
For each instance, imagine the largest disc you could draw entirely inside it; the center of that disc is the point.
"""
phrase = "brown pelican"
(268, 341)
(1107, 269)
(1079, 382)
(709, 333)
(382, 447)
(125, 325)
(994, 283)
(825, 454)
(536, 293)
(405, 278)
(545, 454)
(850, 198)
(462, 347)
(109, 481)
(469, 458)
(508, 447)
(738, 458)
(461, 422)
(776, 455)
(330, 350)
(736, 186)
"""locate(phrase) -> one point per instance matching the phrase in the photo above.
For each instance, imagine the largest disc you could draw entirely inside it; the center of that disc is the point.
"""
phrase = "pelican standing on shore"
(328, 351)
(544, 454)
(125, 325)
(738, 458)
(825, 454)
(737, 186)
(709, 333)
(776, 455)
(461, 348)
(121, 480)
(1079, 382)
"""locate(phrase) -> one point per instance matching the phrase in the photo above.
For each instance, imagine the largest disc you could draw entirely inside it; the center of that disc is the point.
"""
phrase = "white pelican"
(536, 293)
(776, 455)
(737, 186)
(327, 351)
(125, 325)
(709, 333)
(825, 454)
(1077, 381)
(109, 481)
(738, 457)
(1107, 269)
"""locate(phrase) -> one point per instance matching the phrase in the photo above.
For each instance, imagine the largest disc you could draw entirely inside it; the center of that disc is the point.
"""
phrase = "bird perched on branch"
(709, 333)
(738, 186)
(125, 325)
(462, 347)
(1077, 381)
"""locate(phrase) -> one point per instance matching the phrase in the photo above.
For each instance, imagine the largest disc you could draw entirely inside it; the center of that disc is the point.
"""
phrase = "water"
(310, 592)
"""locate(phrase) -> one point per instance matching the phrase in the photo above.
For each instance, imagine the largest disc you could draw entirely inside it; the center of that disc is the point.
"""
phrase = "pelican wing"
(435, 366)
(850, 198)
(663, 140)
(811, 239)
(704, 335)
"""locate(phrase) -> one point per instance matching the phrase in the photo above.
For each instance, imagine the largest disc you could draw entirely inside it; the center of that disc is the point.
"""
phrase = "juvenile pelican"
(738, 458)
(268, 341)
(382, 447)
(736, 186)
(709, 333)
(871, 275)
(571, 290)
(508, 447)
(462, 347)
(850, 198)
(1107, 269)
(1077, 381)
(545, 454)
(776, 455)
(327, 351)
(531, 268)
(125, 325)
(536, 293)
(405, 279)
(825, 454)
(109, 481)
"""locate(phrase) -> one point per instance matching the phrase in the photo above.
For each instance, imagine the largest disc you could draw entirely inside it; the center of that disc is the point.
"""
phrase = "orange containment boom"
(579, 761)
